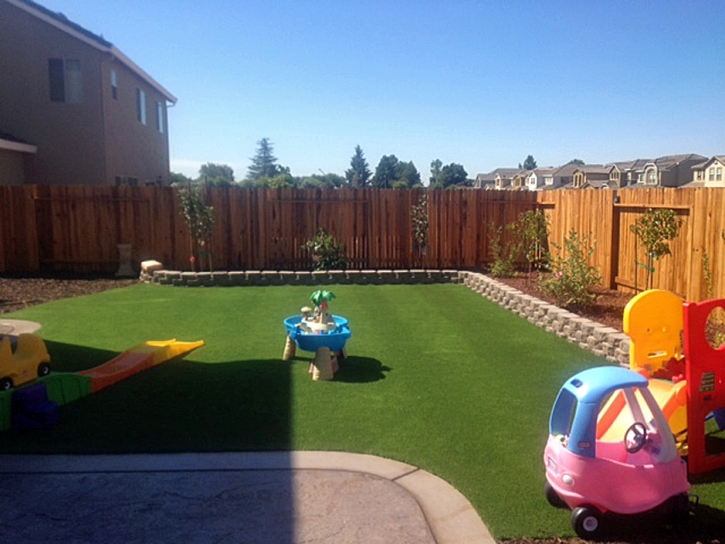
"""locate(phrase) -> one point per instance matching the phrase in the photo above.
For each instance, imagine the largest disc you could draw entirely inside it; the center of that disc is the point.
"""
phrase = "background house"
(540, 178)
(670, 171)
(591, 176)
(709, 173)
(73, 108)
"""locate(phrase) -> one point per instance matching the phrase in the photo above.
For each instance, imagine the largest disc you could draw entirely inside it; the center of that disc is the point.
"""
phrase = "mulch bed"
(17, 293)
(608, 309)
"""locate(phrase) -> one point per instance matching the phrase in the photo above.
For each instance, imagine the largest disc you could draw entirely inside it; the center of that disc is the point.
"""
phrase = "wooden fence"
(607, 216)
(46, 229)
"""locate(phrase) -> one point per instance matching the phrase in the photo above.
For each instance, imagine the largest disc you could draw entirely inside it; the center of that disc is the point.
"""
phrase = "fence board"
(77, 229)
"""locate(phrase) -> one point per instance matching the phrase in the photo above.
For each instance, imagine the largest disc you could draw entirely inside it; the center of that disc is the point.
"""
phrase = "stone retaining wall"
(590, 335)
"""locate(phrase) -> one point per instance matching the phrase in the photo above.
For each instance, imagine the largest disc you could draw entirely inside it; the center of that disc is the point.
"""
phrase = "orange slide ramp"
(137, 359)
(671, 398)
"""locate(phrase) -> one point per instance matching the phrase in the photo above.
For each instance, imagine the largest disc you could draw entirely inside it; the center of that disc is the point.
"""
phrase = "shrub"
(531, 229)
(504, 252)
(327, 253)
(572, 277)
(420, 225)
(654, 230)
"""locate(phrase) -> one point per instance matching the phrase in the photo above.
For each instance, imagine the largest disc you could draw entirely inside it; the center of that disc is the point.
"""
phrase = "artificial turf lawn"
(437, 377)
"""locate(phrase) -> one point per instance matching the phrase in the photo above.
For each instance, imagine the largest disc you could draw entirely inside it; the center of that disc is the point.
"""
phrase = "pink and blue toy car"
(610, 449)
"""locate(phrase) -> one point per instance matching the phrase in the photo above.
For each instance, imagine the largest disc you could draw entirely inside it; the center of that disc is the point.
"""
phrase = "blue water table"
(320, 332)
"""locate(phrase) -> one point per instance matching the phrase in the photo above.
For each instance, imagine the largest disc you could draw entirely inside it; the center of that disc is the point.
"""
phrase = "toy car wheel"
(680, 509)
(553, 497)
(6, 384)
(43, 369)
(586, 521)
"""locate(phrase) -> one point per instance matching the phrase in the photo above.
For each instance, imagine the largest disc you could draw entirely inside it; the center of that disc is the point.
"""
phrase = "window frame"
(141, 116)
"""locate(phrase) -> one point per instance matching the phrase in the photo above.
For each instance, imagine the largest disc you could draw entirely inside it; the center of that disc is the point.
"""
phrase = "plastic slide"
(137, 359)
(614, 420)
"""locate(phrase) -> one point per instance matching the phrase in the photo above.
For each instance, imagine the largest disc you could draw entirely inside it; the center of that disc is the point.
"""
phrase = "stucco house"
(669, 171)
(709, 173)
(540, 178)
(73, 108)
(594, 176)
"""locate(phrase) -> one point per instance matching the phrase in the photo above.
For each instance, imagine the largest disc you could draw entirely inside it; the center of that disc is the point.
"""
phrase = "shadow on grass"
(180, 406)
(361, 370)
(355, 369)
(704, 525)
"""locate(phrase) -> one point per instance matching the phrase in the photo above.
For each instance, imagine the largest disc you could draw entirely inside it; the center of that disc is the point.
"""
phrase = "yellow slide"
(137, 359)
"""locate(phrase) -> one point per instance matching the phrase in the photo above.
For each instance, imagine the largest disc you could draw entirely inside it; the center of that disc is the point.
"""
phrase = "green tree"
(435, 172)
(407, 175)
(318, 181)
(451, 175)
(385, 173)
(654, 230)
(578, 162)
(179, 179)
(359, 173)
(200, 221)
(420, 226)
(531, 229)
(530, 163)
(264, 163)
(212, 172)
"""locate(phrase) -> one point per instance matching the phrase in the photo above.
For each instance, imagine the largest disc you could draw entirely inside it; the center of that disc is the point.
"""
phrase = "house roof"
(708, 162)
(61, 22)
(544, 171)
(8, 142)
(566, 170)
(636, 164)
(594, 169)
(671, 161)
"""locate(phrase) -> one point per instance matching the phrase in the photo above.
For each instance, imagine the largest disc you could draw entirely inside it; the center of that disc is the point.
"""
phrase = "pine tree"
(359, 173)
(264, 163)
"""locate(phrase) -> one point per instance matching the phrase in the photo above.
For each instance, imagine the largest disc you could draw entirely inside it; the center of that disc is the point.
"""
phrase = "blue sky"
(479, 83)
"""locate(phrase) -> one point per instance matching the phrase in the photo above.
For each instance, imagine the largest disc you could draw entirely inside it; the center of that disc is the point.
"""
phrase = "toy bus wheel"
(6, 384)
(43, 369)
(586, 521)
(553, 497)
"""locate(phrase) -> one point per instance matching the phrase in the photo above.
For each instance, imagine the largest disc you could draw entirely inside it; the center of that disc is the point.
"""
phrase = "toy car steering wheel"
(638, 438)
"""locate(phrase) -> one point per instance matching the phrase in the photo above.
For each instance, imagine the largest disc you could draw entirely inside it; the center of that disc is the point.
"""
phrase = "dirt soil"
(17, 293)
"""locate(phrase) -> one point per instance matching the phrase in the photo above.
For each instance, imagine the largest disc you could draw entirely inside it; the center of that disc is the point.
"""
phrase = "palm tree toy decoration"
(321, 299)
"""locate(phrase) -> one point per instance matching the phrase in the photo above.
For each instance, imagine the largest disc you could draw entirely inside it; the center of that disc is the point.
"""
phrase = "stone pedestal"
(125, 270)
(290, 350)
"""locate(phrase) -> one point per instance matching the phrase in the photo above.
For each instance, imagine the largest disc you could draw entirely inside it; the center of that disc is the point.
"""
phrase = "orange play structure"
(668, 344)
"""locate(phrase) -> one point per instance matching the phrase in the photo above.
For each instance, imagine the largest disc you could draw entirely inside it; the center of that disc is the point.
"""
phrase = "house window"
(114, 84)
(651, 177)
(65, 80)
(141, 106)
(711, 174)
(718, 175)
(700, 175)
(160, 116)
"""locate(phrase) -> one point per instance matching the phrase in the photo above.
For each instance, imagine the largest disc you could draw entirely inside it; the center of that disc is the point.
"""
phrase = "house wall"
(716, 164)
(12, 168)
(136, 151)
(96, 141)
(69, 137)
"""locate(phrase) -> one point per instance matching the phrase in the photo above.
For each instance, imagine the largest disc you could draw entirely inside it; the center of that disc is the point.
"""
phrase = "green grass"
(437, 377)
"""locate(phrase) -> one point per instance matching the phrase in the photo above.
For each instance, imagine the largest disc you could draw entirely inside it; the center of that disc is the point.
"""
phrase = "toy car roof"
(592, 385)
